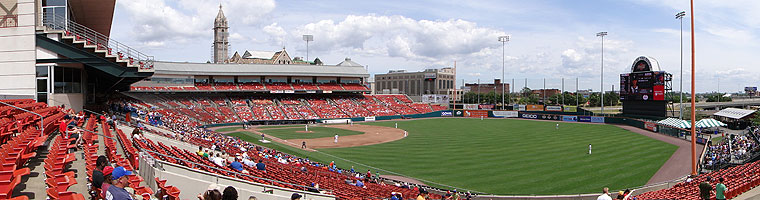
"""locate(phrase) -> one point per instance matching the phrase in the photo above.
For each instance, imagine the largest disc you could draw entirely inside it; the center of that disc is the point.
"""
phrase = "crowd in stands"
(732, 149)
(214, 109)
(258, 87)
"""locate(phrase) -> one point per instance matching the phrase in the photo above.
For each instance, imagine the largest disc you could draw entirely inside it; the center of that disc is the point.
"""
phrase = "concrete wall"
(17, 52)
(71, 100)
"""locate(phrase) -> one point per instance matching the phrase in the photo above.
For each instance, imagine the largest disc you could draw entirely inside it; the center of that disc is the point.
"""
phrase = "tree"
(718, 96)
(687, 114)
(755, 119)
(611, 99)
(525, 92)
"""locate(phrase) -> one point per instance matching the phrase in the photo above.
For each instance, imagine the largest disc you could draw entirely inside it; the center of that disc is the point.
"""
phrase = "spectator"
(97, 174)
(261, 166)
(605, 195)
(211, 193)
(236, 165)
(705, 189)
(314, 188)
(229, 193)
(218, 160)
(107, 178)
(252, 197)
(295, 196)
(248, 162)
(423, 195)
(120, 180)
(720, 189)
(200, 151)
(359, 183)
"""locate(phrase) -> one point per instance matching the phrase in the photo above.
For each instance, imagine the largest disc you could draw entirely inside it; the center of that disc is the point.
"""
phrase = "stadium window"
(67, 80)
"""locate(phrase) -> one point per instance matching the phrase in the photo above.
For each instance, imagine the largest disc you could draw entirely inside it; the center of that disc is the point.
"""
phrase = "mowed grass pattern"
(316, 132)
(507, 156)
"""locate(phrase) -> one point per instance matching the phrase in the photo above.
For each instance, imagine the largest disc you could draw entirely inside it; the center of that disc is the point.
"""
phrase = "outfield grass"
(228, 129)
(316, 132)
(507, 156)
(278, 126)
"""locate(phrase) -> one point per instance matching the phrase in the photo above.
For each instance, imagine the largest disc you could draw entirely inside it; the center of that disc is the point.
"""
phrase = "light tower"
(308, 38)
(503, 40)
(602, 34)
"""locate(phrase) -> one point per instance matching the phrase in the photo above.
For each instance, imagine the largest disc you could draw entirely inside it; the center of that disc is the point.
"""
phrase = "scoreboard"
(643, 86)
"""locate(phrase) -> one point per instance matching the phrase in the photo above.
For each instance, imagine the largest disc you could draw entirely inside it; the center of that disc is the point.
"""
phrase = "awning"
(734, 113)
(675, 123)
(709, 123)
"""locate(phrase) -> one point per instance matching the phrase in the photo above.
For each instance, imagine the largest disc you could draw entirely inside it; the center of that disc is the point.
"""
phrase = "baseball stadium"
(83, 116)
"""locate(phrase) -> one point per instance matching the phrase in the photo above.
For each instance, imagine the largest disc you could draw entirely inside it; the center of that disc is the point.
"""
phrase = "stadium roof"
(675, 123)
(734, 113)
(349, 63)
(94, 14)
(205, 69)
(259, 54)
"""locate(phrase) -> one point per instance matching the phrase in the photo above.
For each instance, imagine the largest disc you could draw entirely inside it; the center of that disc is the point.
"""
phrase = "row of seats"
(221, 109)
(22, 134)
(258, 87)
(738, 180)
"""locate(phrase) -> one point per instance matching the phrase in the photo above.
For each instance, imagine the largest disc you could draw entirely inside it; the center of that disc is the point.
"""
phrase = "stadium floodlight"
(308, 38)
(602, 34)
(679, 16)
(503, 40)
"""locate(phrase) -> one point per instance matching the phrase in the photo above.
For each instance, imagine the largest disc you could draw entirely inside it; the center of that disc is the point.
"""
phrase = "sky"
(550, 40)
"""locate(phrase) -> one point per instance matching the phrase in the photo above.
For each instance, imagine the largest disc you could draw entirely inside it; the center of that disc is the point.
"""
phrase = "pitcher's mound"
(304, 131)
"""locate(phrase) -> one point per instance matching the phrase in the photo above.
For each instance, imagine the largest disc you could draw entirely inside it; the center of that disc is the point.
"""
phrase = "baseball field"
(503, 156)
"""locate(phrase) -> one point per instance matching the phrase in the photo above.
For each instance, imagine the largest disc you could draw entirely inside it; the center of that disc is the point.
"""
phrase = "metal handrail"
(42, 119)
(102, 42)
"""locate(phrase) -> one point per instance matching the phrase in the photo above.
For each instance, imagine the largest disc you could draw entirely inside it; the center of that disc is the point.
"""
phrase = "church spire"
(221, 35)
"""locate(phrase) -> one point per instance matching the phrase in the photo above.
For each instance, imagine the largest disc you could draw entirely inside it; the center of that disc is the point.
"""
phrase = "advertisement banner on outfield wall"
(651, 126)
(571, 109)
(486, 106)
(470, 106)
(534, 107)
(550, 117)
(506, 114)
(554, 108)
(447, 113)
(369, 119)
(529, 115)
(458, 113)
(569, 118)
(475, 113)
(584, 118)
(597, 119)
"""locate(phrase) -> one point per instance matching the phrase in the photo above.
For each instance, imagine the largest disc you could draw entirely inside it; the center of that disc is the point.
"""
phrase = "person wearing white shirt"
(605, 195)
(218, 160)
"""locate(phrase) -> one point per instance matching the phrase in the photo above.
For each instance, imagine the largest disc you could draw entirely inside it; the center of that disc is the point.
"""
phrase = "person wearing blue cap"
(120, 180)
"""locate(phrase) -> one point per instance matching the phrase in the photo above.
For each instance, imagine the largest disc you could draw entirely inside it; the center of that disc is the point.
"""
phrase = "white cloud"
(276, 34)
(154, 22)
(401, 36)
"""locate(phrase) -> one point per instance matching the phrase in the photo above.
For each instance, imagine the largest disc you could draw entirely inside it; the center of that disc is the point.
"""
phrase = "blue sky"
(550, 39)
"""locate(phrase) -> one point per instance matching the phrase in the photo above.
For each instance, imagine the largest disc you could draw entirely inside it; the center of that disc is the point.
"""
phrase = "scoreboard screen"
(643, 86)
